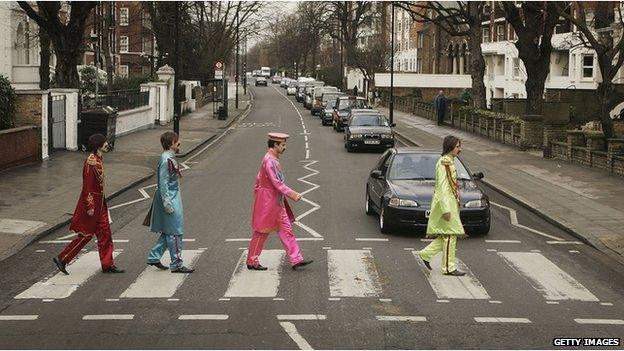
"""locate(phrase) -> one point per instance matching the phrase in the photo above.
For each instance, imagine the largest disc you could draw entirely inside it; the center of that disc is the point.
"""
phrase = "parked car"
(261, 81)
(328, 101)
(343, 107)
(368, 129)
(309, 90)
(292, 88)
(276, 79)
(284, 82)
(317, 102)
(300, 96)
(400, 189)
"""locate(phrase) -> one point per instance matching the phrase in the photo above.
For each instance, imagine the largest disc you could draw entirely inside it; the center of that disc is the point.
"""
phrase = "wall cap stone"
(532, 118)
(18, 129)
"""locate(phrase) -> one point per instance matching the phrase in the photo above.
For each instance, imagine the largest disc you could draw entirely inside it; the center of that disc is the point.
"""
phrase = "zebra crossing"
(351, 273)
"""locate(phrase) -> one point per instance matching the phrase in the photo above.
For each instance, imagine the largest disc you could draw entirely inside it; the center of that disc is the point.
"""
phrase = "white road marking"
(495, 302)
(156, 283)
(60, 285)
(203, 317)
(309, 230)
(188, 240)
(249, 283)
(111, 300)
(69, 241)
(301, 317)
(19, 317)
(443, 301)
(291, 330)
(501, 320)
(503, 241)
(491, 250)
(564, 242)
(401, 318)
(513, 218)
(48, 300)
(573, 251)
(40, 251)
(306, 138)
(385, 300)
(552, 302)
(224, 299)
(536, 250)
(426, 240)
(372, 239)
(100, 317)
(606, 304)
(326, 247)
(298, 239)
(352, 273)
(173, 300)
(333, 299)
(449, 287)
(278, 299)
(545, 277)
(598, 321)
(408, 249)
(367, 248)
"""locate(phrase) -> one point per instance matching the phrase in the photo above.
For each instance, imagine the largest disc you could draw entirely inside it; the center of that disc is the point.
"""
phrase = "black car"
(368, 129)
(400, 189)
(328, 101)
(343, 108)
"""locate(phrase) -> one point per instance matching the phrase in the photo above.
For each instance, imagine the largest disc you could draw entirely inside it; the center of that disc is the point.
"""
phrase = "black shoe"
(426, 263)
(61, 265)
(112, 269)
(456, 273)
(257, 268)
(182, 270)
(157, 265)
(302, 263)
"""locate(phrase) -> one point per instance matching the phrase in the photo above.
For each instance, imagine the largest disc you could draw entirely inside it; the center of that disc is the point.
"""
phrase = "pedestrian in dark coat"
(440, 106)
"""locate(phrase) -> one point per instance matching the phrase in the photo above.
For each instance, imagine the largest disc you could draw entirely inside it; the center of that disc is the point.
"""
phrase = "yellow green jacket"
(445, 199)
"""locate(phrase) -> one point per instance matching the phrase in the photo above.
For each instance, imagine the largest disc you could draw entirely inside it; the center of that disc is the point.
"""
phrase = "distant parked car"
(400, 189)
(317, 103)
(276, 79)
(261, 81)
(292, 88)
(328, 101)
(343, 107)
(284, 82)
(368, 129)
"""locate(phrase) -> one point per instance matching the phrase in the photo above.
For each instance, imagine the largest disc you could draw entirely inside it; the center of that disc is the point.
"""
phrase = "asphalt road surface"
(365, 290)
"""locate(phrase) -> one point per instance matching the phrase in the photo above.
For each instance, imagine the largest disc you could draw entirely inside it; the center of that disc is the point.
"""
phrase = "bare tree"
(534, 26)
(610, 52)
(458, 19)
(66, 34)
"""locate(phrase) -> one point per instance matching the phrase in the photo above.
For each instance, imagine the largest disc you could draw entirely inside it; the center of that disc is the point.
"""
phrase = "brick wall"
(611, 160)
(28, 110)
(19, 146)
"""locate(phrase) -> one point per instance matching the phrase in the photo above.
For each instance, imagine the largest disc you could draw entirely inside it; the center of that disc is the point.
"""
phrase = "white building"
(406, 54)
(19, 47)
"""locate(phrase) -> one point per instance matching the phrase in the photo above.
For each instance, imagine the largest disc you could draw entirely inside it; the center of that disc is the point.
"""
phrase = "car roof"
(415, 150)
(365, 110)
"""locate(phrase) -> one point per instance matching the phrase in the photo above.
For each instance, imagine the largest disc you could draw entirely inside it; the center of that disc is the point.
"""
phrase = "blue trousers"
(164, 242)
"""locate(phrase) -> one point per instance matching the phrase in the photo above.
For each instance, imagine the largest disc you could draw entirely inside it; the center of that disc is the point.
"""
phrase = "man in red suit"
(91, 214)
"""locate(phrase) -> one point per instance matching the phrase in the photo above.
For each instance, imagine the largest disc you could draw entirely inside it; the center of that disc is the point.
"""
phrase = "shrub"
(8, 103)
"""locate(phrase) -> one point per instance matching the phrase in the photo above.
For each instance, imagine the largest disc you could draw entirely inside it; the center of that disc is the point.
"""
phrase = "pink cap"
(281, 137)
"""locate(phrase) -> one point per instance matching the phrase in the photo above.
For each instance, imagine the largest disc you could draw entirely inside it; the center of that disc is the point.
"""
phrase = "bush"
(8, 103)
(130, 83)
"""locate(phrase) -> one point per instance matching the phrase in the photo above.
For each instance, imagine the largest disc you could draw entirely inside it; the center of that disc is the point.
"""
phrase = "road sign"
(218, 66)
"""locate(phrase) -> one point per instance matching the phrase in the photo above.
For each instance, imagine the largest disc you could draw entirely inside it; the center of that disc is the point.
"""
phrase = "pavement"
(40, 198)
(583, 201)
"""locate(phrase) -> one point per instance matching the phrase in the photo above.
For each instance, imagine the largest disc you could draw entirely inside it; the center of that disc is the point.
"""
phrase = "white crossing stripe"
(503, 241)
(250, 283)
(301, 317)
(19, 317)
(551, 281)
(501, 320)
(60, 285)
(101, 317)
(200, 317)
(401, 318)
(352, 273)
(155, 283)
(371, 239)
(555, 242)
(598, 321)
(291, 330)
(450, 287)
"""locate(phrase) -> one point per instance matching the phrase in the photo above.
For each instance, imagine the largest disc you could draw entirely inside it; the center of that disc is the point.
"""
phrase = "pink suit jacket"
(269, 193)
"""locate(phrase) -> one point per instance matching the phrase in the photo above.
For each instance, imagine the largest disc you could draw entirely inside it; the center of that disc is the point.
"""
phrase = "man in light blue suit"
(167, 213)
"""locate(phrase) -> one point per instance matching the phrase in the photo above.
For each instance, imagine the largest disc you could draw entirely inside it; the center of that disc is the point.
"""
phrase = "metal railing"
(121, 100)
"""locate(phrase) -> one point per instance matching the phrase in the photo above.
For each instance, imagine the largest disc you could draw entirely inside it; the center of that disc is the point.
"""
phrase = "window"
(421, 40)
(419, 65)
(147, 45)
(500, 32)
(486, 34)
(145, 20)
(123, 16)
(123, 44)
(515, 67)
(123, 70)
(588, 66)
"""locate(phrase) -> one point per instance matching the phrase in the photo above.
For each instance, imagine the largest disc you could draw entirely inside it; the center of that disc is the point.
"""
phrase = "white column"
(167, 74)
(163, 104)
(461, 65)
(44, 125)
(454, 64)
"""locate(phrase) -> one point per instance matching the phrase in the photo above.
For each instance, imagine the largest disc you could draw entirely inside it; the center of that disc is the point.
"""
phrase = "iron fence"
(121, 100)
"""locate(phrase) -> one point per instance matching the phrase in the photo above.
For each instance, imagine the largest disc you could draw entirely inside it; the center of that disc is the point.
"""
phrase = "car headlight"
(397, 202)
(387, 136)
(355, 136)
(477, 203)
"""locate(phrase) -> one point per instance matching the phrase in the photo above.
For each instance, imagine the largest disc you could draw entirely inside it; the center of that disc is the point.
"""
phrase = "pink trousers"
(286, 236)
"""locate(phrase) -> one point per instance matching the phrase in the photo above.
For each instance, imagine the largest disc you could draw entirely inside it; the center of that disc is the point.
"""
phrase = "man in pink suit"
(271, 211)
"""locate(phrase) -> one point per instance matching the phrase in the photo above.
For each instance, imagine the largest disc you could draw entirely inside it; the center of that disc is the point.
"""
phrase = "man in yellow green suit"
(444, 222)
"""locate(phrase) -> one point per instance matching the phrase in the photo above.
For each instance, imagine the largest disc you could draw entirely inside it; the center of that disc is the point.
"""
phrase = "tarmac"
(40, 198)
(586, 202)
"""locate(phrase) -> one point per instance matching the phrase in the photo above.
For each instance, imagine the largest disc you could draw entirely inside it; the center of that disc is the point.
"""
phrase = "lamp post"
(96, 52)
(236, 79)
(392, 67)
(296, 71)
(318, 68)
(176, 63)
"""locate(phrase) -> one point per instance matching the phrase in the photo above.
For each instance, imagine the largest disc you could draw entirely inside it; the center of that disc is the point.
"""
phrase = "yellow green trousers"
(448, 245)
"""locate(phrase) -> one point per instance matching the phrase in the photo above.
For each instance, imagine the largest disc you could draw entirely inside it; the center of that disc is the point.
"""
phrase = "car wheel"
(369, 205)
(483, 230)
(384, 226)
(348, 146)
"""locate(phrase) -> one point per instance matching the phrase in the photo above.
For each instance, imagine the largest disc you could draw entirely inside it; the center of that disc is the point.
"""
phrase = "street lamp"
(296, 71)
(176, 81)
(318, 68)
(392, 68)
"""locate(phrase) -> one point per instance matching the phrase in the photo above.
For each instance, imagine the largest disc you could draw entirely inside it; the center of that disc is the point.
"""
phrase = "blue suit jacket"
(168, 195)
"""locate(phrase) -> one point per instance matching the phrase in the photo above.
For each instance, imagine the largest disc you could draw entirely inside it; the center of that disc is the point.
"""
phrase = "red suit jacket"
(91, 197)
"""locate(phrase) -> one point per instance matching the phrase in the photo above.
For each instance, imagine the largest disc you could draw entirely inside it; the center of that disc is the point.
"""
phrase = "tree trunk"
(44, 55)
(536, 79)
(477, 67)
(605, 94)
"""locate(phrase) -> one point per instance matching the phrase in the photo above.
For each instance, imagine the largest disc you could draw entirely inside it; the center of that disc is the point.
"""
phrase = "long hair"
(449, 143)
(96, 141)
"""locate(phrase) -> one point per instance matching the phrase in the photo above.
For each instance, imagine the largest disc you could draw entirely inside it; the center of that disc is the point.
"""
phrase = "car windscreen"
(348, 104)
(369, 120)
(330, 97)
(420, 167)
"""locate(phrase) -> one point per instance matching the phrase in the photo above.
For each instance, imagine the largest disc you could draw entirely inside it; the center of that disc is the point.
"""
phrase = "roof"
(415, 150)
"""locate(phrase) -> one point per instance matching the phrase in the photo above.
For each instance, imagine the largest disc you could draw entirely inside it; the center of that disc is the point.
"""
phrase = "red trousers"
(104, 243)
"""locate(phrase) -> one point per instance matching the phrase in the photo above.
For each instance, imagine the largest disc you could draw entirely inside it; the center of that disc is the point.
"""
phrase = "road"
(365, 290)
